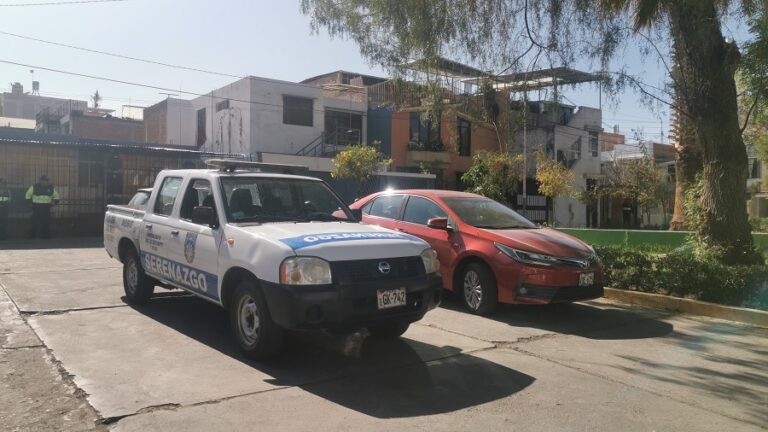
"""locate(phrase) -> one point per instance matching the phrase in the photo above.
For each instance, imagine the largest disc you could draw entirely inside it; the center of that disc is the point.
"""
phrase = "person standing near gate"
(5, 202)
(43, 196)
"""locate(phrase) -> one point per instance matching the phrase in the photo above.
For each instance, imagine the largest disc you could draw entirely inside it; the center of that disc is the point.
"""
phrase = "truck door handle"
(148, 226)
(175, 233)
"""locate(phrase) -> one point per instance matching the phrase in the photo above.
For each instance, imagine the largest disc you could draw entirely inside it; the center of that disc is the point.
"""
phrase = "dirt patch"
(35, 397)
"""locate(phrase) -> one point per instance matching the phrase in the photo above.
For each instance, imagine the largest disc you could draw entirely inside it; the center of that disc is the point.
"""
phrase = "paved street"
(77, 354)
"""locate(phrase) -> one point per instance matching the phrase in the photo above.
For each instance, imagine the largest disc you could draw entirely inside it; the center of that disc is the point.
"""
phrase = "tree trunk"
(710, 102)
(687, 164)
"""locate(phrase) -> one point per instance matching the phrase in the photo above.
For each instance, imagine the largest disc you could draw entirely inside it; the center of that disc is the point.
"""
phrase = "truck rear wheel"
(389, 330)
(137, 285)
(256, 334)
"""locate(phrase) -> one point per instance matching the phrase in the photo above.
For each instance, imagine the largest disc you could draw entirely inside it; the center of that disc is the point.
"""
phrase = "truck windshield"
(263, 199)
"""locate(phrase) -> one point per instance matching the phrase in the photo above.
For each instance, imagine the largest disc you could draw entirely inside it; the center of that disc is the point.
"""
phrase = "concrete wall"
(171, 121)
(106, 128)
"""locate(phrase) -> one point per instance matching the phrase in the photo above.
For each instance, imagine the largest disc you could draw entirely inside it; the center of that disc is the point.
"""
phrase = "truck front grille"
(351, 272)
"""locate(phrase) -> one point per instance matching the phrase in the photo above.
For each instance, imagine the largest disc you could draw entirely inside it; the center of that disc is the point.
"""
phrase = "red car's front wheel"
(479, 289)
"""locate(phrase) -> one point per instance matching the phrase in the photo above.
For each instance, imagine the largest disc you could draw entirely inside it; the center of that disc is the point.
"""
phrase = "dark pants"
(41, 221)
(3, 221)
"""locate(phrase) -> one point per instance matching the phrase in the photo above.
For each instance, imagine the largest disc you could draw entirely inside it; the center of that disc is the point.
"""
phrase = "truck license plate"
(586, 279)
(390, 298)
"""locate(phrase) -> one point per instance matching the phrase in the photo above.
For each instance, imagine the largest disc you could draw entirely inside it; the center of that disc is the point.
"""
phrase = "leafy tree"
(514, 35)
(638, 180)
(554, 178)
(359, 163)
(495, 175)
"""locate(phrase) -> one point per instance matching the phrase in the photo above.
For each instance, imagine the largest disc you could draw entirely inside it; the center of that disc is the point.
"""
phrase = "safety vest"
(39, 194)
(5, 197)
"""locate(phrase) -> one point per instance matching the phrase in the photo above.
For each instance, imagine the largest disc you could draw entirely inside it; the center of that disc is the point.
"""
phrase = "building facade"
(18, 104)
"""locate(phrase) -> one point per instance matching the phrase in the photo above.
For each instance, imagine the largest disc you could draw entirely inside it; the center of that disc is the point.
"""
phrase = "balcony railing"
(430, 147)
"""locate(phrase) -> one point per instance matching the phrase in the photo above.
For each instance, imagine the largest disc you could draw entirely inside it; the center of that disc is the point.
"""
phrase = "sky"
(240, 37)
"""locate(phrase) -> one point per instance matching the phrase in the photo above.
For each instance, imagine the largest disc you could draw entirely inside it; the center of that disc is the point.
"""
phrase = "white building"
(18, 104)
(572, 135)
(256, 115)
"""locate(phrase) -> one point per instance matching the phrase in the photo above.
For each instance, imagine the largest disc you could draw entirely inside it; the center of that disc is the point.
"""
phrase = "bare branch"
(749, 113)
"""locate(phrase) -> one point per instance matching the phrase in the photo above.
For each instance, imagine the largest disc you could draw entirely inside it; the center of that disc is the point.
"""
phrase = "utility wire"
(210, 95)
(149, 86)
(170, 65)
(71, 2)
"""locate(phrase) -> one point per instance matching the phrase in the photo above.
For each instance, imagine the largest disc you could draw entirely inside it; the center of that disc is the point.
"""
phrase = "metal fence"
(88, 178)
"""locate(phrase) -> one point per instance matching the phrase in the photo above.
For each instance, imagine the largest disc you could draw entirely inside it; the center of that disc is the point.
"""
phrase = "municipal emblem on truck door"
(189, 247)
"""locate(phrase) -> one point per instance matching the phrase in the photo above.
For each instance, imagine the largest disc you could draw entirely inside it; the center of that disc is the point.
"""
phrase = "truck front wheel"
(137, 285)
(256, 334)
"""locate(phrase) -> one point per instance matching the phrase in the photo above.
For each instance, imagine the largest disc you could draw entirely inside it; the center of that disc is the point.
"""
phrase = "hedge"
(680, 273)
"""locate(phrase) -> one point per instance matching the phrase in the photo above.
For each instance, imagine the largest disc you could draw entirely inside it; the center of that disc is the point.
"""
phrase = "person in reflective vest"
(5, 202)
(43, 196)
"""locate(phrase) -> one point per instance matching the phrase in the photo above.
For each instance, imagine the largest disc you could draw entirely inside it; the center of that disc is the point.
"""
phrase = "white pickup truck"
(276, 251)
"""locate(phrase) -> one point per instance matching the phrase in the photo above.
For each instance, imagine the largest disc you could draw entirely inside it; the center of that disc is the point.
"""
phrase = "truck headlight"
(527, 257)
(431, 264)
(305, 271)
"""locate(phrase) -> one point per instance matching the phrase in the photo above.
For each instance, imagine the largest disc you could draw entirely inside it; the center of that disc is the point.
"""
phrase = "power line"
(154, 62)
(135, 84)
(71, 2)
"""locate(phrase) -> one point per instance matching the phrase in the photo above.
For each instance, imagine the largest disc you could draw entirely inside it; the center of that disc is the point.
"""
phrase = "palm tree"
(706, 92)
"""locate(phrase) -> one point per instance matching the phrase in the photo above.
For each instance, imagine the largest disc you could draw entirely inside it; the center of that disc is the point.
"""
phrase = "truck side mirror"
(357, 214)
(440, 223)
(204, 216)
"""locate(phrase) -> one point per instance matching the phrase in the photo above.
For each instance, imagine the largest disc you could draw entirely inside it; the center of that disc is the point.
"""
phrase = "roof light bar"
(231, 165)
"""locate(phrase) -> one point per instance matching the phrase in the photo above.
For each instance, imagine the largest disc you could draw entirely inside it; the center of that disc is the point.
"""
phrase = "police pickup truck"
(276, 251)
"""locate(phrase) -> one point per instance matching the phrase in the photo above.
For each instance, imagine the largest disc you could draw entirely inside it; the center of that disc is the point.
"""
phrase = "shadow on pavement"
(731, 365)
(580, 319)
(380, 378)
(52, 243)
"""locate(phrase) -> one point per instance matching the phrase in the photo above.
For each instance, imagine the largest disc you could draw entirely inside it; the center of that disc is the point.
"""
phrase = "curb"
(694, 307)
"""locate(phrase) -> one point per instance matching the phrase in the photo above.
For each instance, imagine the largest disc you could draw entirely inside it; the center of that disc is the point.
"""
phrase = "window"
(464, 137)
(263, 200)
(343, 128)
(755, 169)
(594, 144)
(367, 207)
(198, 194)
(576, 149)
(201, 137)
(387, 206)
(222, 105)
(486, 213)
(419, 210)
(167, 197)
(424, 136)
(297, 111)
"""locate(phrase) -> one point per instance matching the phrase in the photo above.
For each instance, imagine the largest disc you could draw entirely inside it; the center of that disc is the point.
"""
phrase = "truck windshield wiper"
(270, 218)
(325, 217)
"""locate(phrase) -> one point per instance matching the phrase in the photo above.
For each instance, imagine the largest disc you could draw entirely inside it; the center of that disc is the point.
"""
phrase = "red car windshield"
(487, 213)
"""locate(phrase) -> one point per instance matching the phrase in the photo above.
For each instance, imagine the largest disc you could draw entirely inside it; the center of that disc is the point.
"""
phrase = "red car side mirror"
(440, 223)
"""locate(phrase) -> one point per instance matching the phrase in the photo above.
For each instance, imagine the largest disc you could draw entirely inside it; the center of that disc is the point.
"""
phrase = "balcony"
(419, 153)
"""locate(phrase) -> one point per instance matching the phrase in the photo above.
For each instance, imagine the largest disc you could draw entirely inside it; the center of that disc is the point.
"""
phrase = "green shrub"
(682, 273)
(759, 224)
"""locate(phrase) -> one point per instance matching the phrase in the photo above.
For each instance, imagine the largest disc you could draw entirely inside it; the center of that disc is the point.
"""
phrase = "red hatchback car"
(488, 252)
